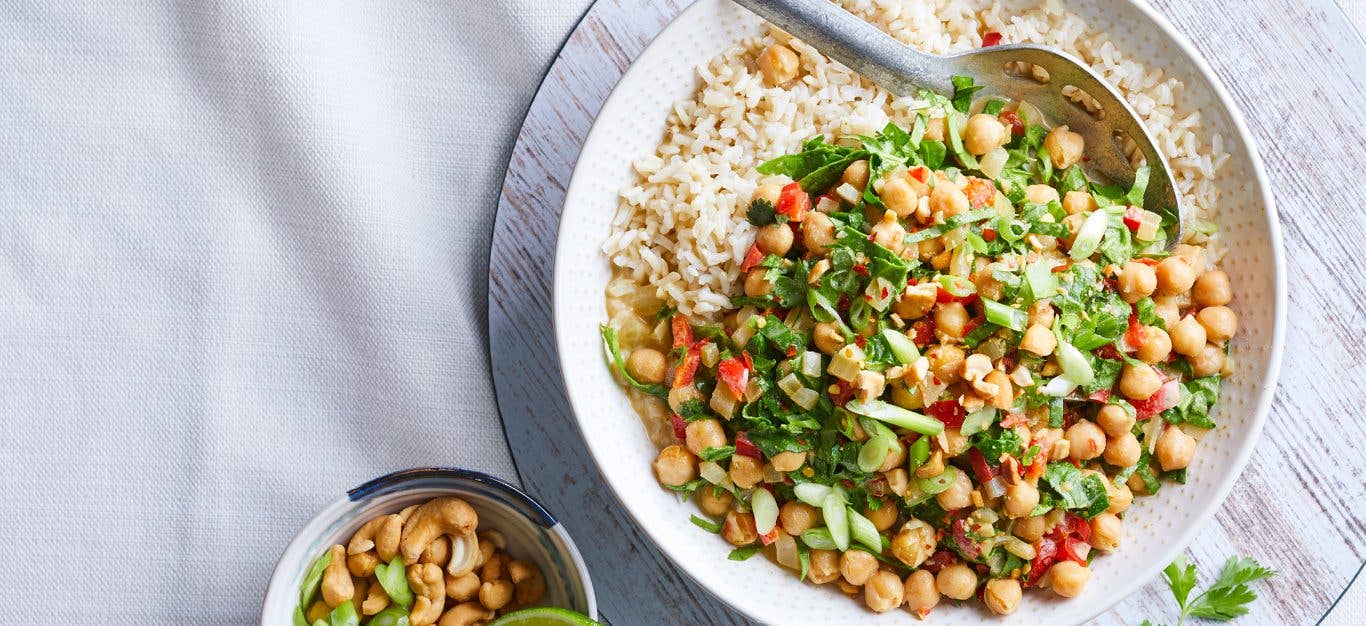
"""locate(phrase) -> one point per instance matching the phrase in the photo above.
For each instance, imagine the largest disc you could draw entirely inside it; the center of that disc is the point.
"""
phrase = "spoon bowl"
(1063, 88)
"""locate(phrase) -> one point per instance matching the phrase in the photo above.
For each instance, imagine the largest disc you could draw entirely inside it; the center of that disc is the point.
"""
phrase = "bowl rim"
(394, 481)
(1263, 400)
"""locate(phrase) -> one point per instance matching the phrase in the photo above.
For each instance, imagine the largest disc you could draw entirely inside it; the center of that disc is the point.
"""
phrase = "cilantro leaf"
(760, 212)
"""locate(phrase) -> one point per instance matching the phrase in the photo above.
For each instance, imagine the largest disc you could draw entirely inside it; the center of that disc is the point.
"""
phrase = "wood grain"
(1297, 70)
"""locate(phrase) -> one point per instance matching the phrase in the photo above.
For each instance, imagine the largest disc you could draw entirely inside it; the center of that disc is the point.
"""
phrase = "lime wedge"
(544, 616)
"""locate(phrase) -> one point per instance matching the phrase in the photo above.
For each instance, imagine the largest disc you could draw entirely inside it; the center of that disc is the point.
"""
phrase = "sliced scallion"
(1040, 279)
(864, 531)
(937, 484)
(896, 416)
(1005, 315)
(978, 421)
(836, 516)
(918, 453)
(902, 347)
(1075, 365)
(1089, 235)
(818, 539)
(813, 494)
(765, 510)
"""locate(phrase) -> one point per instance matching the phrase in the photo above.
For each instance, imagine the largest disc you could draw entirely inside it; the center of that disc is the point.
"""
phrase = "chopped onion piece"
(849, 193)
(1148, 226)
(993, 162)
(742, 335)
(806, 398)
(765, 510)
(712, 472)
(994, 488)
(813, 494)
(785, 551)
(1058, 387)
(789, 384)
(880, 292)
(811, 364)
(710, 354)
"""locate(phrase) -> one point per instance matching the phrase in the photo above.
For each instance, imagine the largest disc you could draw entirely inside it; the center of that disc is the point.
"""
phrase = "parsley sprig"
(1224, 600)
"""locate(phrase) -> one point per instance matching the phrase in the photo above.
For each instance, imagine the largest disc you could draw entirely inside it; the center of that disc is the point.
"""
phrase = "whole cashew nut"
(466, 614)
(375, 601)
(529, 581)
(360, 551)
(337, 586)
(462, 588)
(495, 594)
(441, 516)
(437, 552)
(429, 586)
(391, 532)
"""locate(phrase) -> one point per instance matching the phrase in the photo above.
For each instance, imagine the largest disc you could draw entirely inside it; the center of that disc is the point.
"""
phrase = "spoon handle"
(855, 43)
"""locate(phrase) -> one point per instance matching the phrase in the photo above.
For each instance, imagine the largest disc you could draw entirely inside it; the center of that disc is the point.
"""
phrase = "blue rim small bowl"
(532, 533)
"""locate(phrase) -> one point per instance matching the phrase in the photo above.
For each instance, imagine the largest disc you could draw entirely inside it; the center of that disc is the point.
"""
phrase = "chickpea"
(745, 472)
(1078, 202)
(774, 239)
(1086, 440)
(713, 501)
(768, 192)
(797, 517)
(1073, 224)
(937, 129)
(856, 175)
(883, 592)
(922, 594)
(1169, 309)
(950, 318)
(1114, 420)
(1039, 340)
(704, 434)
(825, 566)
(778, 64)
(958, 495)
(1041, 313)
(1154, 346)
(947, 199)
(1030, 529)
(957, 581)
(1040, 194)
(898, 480)
(1136, 281)
(889, 234)
(898, 195)
(1188, 336)
(1220, 323)
(1002, 595)
(1194, 255)
(1122, 450)
(756, 284)
(818, 232)
(930, 248)
(738, 528)
(857, 566)
(1120, 497)
(946, 362)
(646, 365)
(954, 442)
(983, 134)
(1068, 577)
(788, 461)
(1064, 147)
(1021, 498)
(1139, 382)
(1208, 362)
(1174, 276)
(1212, 289)
(827, 337)
(1175, 449)
(1106, 531)
(675, 466)
(916, 301)
(884, 516)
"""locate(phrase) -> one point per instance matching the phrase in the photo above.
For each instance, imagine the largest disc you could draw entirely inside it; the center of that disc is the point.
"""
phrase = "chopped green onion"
(1204, 227)
(818, 539)
(1040, 279)
(918, 453)
(813, 494)
(864, 531)
(881, 442)
(836, 516)
(896, 416)
(978, 421)
(935, 485)
(1058, 387)
(957, 286)
(743, 553)
(1075, 366)
(765, 510)
(1089, 235)
(705, 524)
(902, 347)
(1004, 315)
(915, 495)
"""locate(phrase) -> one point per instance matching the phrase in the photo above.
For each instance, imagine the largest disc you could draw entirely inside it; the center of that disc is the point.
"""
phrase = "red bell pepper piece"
(980, 192)
(680, 427)
(991, 39)
(752, 258)
(947, 411)
(682, 332)
(745, 447)
(793, 202)
(1133, 217)
(980, 467)
(734, 372)
(920, 173)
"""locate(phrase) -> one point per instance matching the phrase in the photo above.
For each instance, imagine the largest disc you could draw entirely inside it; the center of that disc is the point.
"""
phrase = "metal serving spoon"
(904, 70)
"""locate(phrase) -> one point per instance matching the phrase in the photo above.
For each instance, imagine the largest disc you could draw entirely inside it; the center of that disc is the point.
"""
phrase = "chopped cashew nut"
(441, 516)
(429, 587)
(463, 587)
(337, 586)
(375, 601)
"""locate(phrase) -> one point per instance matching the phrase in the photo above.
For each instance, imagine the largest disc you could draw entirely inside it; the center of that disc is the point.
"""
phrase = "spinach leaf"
(996, 441)
(609, 337)
(963, 88)
(1083, 493)
(1197, 398)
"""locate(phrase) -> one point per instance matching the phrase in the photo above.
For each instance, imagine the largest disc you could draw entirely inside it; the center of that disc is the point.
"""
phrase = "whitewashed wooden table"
(1298, 72)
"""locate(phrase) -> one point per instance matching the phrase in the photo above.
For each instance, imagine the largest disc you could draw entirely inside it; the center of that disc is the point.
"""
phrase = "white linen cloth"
(243, 267)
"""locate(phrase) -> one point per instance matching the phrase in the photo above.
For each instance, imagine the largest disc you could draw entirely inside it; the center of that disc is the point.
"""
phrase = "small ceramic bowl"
(531, 532)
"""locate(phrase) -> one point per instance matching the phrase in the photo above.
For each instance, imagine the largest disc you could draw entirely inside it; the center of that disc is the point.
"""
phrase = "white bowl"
(531, 533)
(631, 124)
